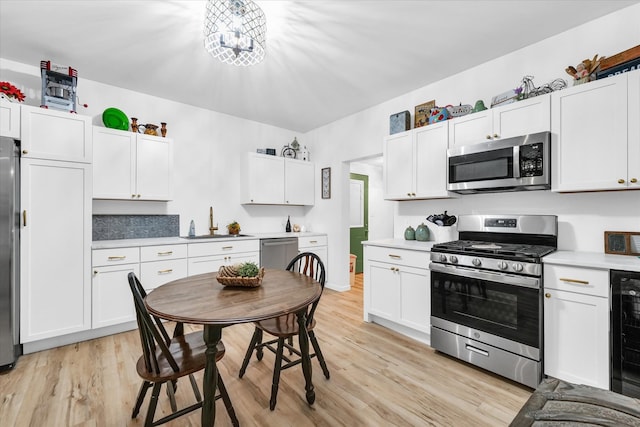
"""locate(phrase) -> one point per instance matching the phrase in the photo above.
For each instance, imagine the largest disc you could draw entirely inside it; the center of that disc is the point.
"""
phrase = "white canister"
(442, 233)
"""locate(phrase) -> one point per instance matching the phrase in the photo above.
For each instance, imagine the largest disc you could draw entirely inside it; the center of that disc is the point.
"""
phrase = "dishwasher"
(278, 252)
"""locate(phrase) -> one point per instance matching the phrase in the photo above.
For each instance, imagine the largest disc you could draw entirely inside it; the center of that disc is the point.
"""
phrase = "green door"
(359, 215)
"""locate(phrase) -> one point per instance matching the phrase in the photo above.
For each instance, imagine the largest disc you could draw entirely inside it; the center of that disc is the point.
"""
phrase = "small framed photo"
(421, 116)
(622, 242)
(326, 183)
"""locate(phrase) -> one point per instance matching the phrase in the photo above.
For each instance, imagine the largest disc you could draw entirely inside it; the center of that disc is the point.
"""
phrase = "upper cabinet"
(9, 119)
(415, 163)
(271, 180)
(55, 135)
(519, 118)
(131, 166)
(596, 135)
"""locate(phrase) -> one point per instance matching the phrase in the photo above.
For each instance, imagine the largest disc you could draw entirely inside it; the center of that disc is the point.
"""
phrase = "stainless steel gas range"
(486, 293)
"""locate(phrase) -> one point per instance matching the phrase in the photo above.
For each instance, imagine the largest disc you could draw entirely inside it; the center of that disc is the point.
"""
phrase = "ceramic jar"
(409, 233)
(422, 233)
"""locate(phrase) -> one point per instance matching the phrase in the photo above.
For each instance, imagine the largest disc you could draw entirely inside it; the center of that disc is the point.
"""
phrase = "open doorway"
(358, 216)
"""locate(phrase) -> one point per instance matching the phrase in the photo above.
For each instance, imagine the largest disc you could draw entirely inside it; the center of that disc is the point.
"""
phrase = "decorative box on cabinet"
(397, 287)
(595, 149)
(131, 166)
(415, 163)
(576, 324)
(208, 257)
(9, 119)
(524, 117)
(55, 135)
(275, 180)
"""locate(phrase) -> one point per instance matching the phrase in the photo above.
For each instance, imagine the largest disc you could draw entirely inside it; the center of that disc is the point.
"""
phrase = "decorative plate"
(115, 119)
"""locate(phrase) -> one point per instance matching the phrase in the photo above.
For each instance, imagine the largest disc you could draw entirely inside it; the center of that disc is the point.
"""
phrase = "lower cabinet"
(318, 246)
(112, 303)
(576, 325)
(208, 257)
(397, 287)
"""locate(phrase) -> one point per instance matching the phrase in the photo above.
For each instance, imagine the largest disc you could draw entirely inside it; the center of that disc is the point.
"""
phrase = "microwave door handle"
(516, 161)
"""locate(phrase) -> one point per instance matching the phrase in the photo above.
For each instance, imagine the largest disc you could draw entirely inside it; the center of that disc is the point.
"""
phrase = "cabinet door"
(253, 257)
(576, 338)
(415, 301)
(531, 115)
(633, 160)
(398, 166)
(154, 167)
(471, 129)
(55, 135)
(112, 302)
(156, 273)
(299, 182)
(55, 253)
(322, 252)
(9, 119)
(384, 292)
(430, 160)
(114, 164)
(589, 136)
(264, 179)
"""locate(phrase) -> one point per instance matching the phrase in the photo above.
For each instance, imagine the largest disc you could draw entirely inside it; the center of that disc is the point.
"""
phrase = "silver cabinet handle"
(227, 247)
(579, 282)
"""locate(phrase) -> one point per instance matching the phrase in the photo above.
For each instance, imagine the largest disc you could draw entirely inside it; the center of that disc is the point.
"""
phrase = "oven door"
(503, 305)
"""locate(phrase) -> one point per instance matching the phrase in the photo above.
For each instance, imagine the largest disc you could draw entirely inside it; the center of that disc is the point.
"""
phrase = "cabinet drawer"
(163, 252)
(220, 248)
(310, 242)
(156, 273)
(417, 259)
(115, 256)
(587, 281)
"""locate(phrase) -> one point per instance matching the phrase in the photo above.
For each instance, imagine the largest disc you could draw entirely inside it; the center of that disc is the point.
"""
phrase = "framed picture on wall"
(326, 183)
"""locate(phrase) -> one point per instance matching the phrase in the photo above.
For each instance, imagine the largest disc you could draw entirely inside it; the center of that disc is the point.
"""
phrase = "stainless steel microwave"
(510, 164)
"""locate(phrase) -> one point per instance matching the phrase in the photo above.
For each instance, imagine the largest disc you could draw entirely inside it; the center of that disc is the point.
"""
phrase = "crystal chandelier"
(234, 31)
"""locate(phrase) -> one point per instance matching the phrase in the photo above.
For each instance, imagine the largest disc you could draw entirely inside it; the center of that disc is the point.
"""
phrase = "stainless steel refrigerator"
(9, 252)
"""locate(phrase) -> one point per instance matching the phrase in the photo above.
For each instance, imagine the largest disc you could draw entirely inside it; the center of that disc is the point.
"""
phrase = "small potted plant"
(234, 228)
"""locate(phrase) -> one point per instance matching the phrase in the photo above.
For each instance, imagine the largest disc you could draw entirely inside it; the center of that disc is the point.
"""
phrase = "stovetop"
(493, 249)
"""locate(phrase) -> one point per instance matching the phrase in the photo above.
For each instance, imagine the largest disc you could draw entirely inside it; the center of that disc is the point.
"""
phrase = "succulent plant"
(248, 269)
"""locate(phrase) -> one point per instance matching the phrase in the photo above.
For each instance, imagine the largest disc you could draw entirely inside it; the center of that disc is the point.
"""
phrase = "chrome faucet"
(212, 228)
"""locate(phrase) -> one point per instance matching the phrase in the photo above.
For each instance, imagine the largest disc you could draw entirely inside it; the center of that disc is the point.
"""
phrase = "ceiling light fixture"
(234, 31)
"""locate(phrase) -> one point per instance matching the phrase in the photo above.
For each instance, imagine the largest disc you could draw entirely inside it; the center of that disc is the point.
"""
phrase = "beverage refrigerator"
(10, 347)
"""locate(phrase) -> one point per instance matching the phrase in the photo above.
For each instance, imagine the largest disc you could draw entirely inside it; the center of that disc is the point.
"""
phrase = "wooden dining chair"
(285, 327)
(166, 359)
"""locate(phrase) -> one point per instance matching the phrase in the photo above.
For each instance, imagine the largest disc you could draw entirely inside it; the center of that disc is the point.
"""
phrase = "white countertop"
(123, 243)
(413, 245)
(594, 260)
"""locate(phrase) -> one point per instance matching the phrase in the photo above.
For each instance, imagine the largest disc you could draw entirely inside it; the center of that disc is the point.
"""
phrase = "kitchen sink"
(215, 236)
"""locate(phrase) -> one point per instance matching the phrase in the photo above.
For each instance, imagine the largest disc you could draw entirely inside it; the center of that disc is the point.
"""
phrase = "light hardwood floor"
(378, 378)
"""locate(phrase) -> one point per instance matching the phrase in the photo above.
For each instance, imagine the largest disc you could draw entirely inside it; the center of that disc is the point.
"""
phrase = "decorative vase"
(409, 233)
(163, 129)
(422, 233)
(134, 124)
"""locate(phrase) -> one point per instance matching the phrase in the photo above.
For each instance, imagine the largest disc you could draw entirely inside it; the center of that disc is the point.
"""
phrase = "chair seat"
(188, 352)
(283, 326)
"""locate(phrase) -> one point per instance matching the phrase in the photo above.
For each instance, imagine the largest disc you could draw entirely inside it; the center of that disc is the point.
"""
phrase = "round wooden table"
(202, 300)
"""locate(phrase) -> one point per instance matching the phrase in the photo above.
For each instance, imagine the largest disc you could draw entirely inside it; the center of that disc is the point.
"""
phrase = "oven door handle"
(507, 279)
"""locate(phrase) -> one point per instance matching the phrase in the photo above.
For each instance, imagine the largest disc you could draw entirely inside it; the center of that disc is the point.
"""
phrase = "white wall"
(380, 211)
(582, 217)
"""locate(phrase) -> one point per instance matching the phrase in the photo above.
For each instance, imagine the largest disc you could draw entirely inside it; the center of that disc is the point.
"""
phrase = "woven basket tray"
(248, 282)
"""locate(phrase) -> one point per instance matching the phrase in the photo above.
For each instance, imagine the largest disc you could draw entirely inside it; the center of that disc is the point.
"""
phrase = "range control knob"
(476, 262)
(518, 267)
(502, 265)
(453, 259)
(443, 258)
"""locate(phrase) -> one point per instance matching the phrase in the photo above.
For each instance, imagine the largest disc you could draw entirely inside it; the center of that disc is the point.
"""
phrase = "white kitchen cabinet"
(55, 135)
(415, 163)
(317, 245)
(596, 135)
(55, 271)
(112, 302)
(524, 117)
(397, 287)
(9, 119)
(275, 180)
(208, 257)
(131, 166)
(161, 264)
(576, 325)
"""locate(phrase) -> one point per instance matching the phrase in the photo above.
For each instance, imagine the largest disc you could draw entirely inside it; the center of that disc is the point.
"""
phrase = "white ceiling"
(325, 59)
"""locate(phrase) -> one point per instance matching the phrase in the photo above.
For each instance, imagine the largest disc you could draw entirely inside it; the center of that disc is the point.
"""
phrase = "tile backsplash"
(116, 227)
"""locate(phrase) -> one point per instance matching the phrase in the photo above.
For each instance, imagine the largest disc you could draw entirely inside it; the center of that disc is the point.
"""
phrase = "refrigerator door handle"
(24, 217)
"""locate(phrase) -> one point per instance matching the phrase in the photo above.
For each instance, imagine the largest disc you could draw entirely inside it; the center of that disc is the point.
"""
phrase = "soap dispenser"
(192, 229)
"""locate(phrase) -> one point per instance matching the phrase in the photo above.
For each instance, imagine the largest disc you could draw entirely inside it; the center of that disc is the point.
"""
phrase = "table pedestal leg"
(303, 338)
(212, 335)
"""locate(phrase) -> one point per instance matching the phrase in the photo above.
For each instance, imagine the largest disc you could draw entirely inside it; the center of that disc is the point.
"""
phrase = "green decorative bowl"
(115, 119)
